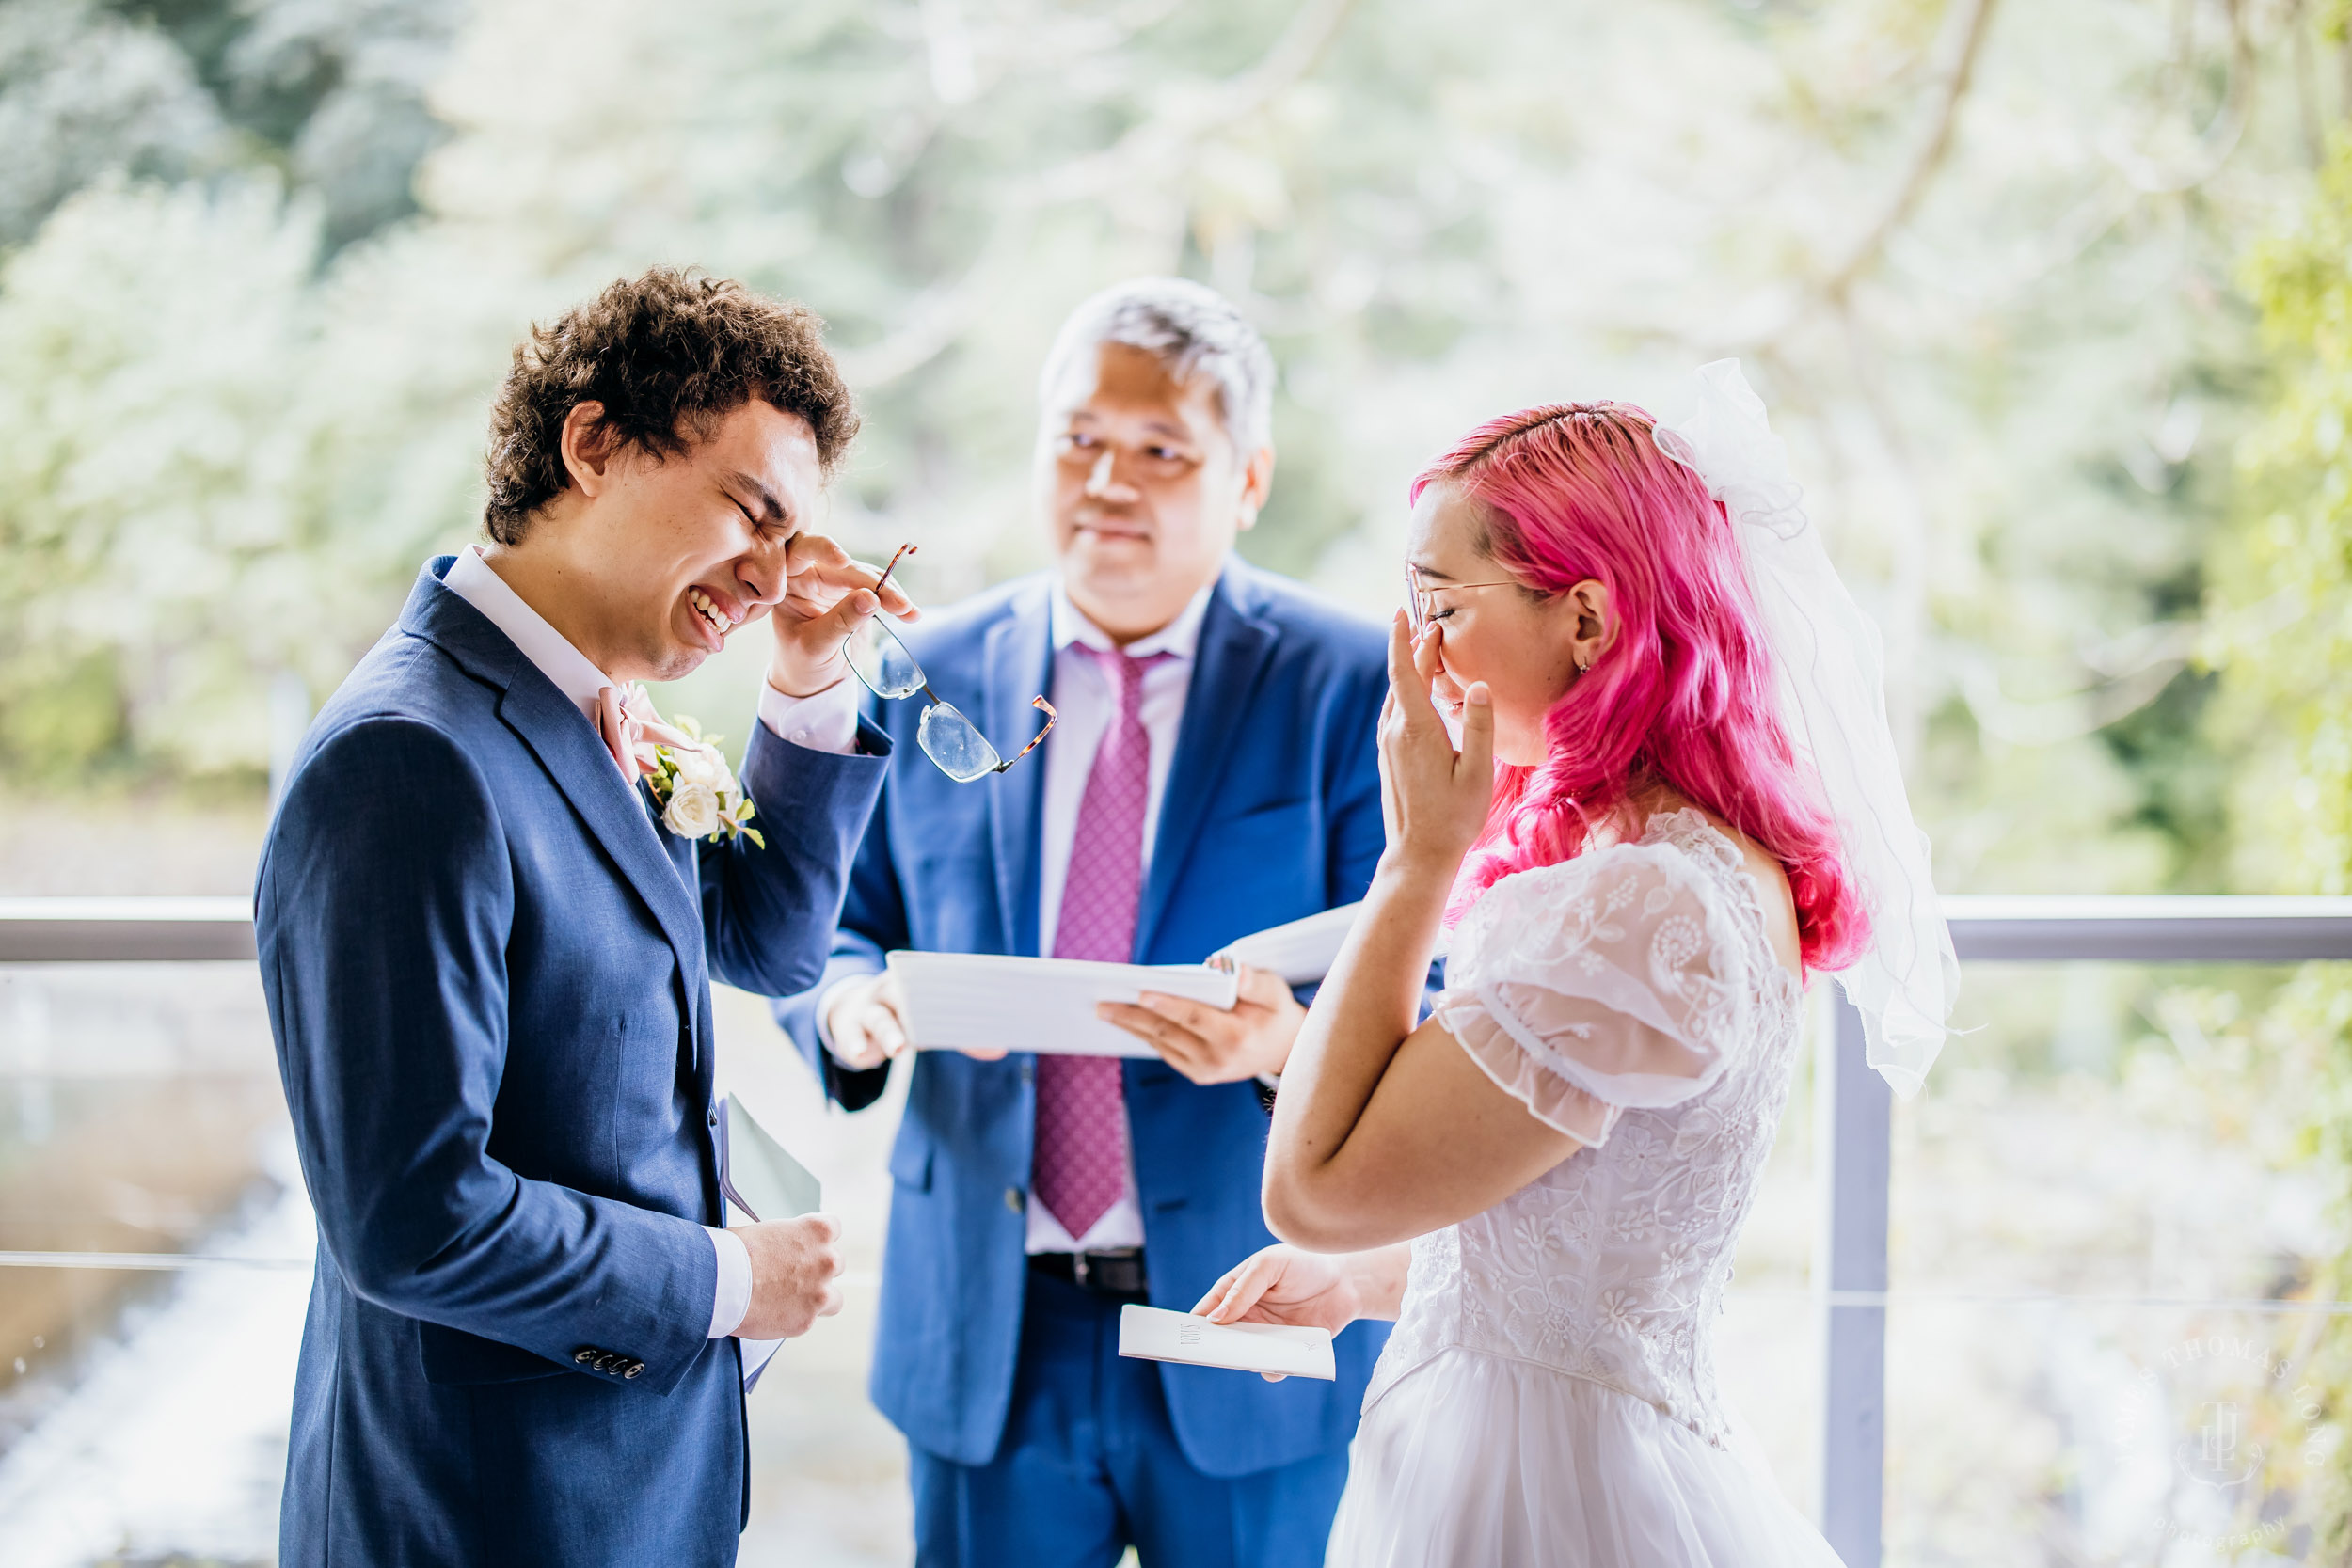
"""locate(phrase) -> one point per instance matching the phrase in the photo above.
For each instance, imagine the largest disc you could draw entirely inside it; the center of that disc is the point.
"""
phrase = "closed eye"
(769, 513)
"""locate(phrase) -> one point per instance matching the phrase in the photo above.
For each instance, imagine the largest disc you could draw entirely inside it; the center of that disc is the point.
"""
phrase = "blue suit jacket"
(1271, 812)
(487, 973)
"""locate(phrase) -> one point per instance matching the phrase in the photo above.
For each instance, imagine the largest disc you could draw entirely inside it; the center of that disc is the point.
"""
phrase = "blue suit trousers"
(1090, 1466)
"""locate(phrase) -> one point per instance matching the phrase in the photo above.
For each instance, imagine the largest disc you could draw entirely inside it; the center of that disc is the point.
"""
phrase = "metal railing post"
(1852, 1121)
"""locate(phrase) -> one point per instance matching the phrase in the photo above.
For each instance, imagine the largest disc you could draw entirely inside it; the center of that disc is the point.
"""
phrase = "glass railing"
(2086, 1339)
(2050, 1310)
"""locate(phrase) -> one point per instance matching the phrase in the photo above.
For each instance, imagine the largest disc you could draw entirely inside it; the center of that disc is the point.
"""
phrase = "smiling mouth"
(713, 617)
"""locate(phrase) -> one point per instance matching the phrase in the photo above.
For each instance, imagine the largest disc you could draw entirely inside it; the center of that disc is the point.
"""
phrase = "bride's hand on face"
(1433, 799)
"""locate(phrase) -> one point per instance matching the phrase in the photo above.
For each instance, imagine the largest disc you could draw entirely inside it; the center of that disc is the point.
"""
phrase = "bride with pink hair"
(1674, 799)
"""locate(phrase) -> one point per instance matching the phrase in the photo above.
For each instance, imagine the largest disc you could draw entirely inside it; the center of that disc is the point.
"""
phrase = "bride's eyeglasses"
(1417, 596)
(878, 658)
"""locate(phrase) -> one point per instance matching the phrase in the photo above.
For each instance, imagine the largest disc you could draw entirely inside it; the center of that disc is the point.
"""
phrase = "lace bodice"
(1628, 997)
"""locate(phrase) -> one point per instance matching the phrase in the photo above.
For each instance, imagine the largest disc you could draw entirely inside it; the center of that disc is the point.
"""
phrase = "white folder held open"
(965, 1001)
(986, 1001)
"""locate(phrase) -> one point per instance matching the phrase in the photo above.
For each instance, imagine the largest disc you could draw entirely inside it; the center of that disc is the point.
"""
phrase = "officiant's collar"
(472, 579)
(1180, 636)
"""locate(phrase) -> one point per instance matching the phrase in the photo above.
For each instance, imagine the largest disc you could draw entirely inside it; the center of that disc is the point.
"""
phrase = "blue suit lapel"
(573, 755)
(1017, 664)
(1231, 659)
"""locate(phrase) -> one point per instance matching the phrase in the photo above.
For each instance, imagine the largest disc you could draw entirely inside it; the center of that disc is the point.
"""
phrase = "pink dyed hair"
(1683, 697)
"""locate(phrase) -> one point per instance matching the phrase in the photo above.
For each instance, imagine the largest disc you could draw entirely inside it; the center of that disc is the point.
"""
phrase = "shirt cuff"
(733, 1296)
(823, 722)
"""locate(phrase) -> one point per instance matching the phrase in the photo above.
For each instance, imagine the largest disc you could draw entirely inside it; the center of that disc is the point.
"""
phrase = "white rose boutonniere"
(696, 788)
(692, 810)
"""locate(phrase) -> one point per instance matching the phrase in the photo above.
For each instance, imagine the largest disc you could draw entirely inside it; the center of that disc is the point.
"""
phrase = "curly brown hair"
(669, 355)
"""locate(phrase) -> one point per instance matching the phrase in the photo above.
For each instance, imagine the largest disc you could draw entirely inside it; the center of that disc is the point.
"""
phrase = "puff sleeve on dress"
(1616, 981)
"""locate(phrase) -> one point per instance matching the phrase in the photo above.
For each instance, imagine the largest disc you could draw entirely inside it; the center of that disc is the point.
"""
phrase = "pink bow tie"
(630, 727)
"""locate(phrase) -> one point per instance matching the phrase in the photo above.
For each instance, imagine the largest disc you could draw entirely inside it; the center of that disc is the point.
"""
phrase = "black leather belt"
(1119, 1275)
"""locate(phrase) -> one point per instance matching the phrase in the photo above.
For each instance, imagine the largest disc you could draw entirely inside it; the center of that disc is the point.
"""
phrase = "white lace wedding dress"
(1548, 1398)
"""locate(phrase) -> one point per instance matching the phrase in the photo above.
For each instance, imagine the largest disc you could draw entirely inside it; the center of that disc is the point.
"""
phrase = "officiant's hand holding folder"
(989, 1001)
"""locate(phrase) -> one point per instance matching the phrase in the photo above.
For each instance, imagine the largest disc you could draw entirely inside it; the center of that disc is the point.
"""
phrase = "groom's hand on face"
(1209, 1045)
(796, 1275)
(827, 596)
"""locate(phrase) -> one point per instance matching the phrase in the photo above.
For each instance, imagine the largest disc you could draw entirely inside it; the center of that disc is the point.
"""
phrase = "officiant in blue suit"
(487, 949)
(1212, 772)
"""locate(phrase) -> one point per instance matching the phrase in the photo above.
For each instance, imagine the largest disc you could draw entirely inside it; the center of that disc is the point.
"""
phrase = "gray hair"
(1193, 331)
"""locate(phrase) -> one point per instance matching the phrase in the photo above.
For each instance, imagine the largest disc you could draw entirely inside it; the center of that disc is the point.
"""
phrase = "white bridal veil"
(1831, 672)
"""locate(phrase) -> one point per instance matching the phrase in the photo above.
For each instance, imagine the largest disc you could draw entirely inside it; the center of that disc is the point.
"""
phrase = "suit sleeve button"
(583, 1356)
(1012, 1199)
(634, 1367)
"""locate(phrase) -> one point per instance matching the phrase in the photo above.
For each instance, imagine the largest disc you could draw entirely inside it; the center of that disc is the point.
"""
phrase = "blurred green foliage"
(261, 262)
(2282, 636)
(2285, 577)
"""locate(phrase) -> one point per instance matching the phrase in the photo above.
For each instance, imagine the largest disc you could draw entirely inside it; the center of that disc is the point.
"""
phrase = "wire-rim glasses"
(953, 742)
(1417, 595)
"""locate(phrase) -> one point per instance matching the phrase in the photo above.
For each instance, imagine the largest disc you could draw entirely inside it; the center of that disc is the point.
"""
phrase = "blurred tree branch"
(1187, 119)
(1970, 22)
(2219, 139)
(1156, 149)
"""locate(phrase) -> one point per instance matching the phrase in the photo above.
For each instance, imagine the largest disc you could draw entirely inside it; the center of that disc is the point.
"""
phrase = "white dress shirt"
(825, 721)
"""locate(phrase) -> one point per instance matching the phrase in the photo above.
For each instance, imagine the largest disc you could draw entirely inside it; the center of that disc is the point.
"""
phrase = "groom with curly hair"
(488, 961)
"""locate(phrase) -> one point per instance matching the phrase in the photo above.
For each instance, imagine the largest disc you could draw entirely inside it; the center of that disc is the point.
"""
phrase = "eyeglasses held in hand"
(878, 658)
(1417, 596)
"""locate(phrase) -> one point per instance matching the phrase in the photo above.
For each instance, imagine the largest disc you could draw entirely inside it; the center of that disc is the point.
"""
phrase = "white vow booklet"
(763, 1181)
(1300, 951)
(962, 1000)
(1155, 1333)
(959, 1001)
(1303, 951)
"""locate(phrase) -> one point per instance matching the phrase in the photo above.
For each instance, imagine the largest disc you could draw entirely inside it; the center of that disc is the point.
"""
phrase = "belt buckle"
(1102, 1270)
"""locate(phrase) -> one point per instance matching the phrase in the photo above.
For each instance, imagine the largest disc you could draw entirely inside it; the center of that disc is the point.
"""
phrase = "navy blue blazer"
(487, 969)
(1271, 812)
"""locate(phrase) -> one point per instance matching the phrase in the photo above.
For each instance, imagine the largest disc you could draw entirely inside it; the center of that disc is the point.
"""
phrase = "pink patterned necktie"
(1081, 1164)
